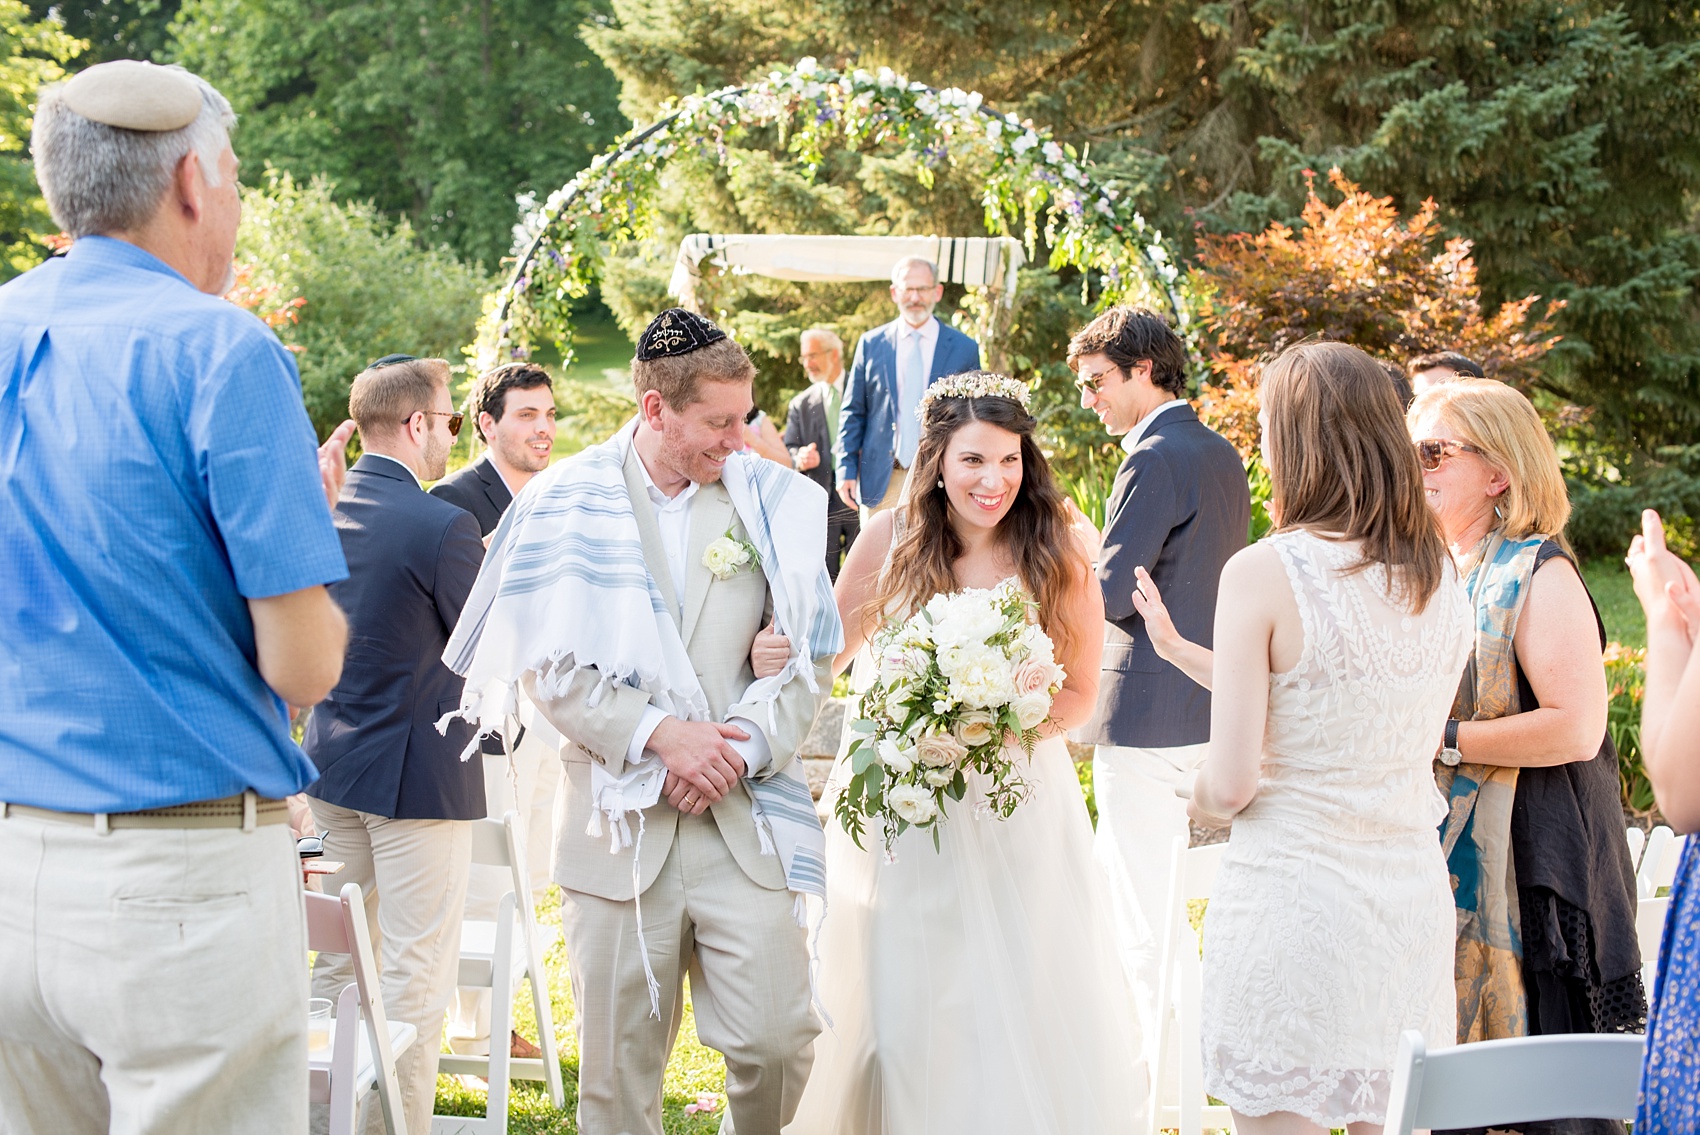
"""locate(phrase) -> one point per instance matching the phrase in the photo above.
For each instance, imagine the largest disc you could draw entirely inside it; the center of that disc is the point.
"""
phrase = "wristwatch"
(1449, 754)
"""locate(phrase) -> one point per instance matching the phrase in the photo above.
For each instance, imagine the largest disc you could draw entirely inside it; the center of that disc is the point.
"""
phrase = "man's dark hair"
(490, 393)
(1445, 360)
(1126, 335)
(1401, 384)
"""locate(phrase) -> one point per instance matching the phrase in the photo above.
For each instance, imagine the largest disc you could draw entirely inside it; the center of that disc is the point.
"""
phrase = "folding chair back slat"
(1499, 1083)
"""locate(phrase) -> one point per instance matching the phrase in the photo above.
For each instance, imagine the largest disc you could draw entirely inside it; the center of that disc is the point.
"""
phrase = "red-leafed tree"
(1357, 273)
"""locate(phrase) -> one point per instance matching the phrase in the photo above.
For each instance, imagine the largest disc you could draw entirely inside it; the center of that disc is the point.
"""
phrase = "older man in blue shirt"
(164, 545)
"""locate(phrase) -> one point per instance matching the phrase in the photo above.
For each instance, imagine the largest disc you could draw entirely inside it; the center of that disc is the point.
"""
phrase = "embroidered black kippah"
(676, 332)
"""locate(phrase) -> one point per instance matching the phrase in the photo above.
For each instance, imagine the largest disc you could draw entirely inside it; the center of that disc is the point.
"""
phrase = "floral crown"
(975, 384)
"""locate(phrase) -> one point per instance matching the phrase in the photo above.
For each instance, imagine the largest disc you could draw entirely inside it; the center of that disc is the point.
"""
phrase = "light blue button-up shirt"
(157, 468)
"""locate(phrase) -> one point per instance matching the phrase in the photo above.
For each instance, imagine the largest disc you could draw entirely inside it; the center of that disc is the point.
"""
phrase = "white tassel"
(637, 910)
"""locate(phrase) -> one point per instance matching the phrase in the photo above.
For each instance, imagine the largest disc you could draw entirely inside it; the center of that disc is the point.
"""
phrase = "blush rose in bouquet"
(963, 685)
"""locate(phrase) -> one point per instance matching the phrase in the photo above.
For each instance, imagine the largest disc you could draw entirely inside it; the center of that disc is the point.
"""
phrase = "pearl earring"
(941, 482)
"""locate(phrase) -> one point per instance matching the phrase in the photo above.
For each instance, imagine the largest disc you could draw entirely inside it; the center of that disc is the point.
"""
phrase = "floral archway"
(1036, 187)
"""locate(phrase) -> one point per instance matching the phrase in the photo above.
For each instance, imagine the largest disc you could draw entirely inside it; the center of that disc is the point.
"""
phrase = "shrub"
(1357, 274)
(366, 287)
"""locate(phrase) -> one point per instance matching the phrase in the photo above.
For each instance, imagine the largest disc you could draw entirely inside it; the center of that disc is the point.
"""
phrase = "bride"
(975, 988)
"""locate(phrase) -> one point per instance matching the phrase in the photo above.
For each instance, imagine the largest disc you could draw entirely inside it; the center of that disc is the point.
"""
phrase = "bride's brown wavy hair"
(1037, 529)
(1341, 461)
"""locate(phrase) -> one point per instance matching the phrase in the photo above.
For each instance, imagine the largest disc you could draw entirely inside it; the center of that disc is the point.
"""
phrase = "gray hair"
(901, 269)
(103, 179)
(825, 333)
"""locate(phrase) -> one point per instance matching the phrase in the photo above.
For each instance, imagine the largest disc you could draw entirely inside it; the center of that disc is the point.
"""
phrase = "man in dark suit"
(513, 406)
(393, 796)
(514, 409)
(811, 434)
(1179, 509)
(894, 365)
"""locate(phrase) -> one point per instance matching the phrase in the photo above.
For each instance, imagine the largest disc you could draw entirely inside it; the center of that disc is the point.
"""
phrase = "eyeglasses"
(1089, 383)
(455, 419)
(1432, 451)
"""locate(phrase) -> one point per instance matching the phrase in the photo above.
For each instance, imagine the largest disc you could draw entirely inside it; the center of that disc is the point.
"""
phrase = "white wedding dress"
(975, 989)
(1330, 926)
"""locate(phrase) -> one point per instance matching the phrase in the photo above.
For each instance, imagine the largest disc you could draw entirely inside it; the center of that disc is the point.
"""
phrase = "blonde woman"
(1534, 835)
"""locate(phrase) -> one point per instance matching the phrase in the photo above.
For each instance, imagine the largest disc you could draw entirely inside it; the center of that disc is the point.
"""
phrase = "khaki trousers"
(153, 980)
(413, 876)
(896, 491)
(529, 785)
(1139, 819)
(749, 970)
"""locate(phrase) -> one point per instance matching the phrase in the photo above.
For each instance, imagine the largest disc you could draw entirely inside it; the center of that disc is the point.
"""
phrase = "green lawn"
(691, 1070)
(1609, 581)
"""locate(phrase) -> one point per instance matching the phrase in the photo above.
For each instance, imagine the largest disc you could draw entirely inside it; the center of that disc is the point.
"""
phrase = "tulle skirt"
(975, 988)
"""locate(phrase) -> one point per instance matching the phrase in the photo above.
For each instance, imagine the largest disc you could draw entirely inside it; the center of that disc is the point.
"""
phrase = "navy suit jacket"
(867, 424)
(480, 490)
(412, 560)
(1180, 508)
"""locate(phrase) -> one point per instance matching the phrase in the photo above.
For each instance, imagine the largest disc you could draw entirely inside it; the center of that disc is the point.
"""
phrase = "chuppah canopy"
(976, 261)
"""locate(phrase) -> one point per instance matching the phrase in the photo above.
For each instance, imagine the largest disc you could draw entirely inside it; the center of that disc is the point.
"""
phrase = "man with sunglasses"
(394, 798)
(1178, 510)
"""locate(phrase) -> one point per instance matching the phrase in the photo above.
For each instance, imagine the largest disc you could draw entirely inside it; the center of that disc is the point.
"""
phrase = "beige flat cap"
(134, 95)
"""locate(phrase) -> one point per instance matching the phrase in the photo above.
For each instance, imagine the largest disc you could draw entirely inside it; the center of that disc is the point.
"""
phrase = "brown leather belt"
(244, 810)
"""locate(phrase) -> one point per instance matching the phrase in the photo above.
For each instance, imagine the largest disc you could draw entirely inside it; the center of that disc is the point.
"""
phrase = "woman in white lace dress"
(1340, 642)
(975, 989)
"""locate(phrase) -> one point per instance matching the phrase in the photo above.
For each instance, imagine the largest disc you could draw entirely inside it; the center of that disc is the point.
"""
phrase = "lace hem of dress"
(1331, 1097)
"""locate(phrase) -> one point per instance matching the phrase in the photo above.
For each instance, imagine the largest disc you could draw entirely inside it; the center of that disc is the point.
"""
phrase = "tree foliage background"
(1560, 137)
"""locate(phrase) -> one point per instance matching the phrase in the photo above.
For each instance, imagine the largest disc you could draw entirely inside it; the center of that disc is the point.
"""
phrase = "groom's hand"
(701, 765)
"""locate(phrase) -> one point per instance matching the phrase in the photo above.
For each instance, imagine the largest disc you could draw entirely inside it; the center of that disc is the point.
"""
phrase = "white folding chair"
(1637, 840)
(1650, 930)
(496, 955)
(1180, 999)
(1659, 862)
(360, 1060)
(1497, 1083)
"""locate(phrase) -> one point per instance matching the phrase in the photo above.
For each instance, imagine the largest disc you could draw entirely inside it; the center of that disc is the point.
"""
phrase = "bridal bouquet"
(957, 680)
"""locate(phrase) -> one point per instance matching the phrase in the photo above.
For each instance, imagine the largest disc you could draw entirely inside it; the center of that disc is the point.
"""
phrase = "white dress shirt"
(1132, 437)
(673, 518)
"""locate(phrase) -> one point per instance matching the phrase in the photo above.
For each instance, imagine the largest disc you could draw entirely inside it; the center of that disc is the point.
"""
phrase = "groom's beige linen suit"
(712, 903)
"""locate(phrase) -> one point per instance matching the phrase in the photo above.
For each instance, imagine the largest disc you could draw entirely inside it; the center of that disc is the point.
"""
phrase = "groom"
(635, 641)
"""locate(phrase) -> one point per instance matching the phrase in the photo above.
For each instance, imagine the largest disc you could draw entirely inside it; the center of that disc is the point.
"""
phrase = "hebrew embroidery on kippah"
(676, 332)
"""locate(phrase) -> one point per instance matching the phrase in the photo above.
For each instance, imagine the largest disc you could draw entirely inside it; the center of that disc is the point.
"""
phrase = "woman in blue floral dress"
(1670, 748)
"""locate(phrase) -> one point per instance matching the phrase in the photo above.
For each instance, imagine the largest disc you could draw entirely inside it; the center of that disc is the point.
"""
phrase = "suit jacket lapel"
(711, 516)
(494, 487)
(650, 533)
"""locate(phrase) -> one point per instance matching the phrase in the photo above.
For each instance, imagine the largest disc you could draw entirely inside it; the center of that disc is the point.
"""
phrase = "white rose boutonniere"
(726, 557)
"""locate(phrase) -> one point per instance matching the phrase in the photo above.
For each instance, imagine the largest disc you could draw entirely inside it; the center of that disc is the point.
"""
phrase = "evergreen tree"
(113, 29)
(1562, 137)
(439, 111)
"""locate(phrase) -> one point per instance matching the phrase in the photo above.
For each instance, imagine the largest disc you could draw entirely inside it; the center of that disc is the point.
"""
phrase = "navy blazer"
(480, 490)
(867, 424)
(1180, 508)
(412, 560)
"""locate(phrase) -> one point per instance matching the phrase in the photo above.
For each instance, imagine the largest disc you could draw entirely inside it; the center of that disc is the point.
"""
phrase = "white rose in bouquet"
(912, 802)
(1031, 709)
(974, 728)
(938, 777)
(897, 754)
